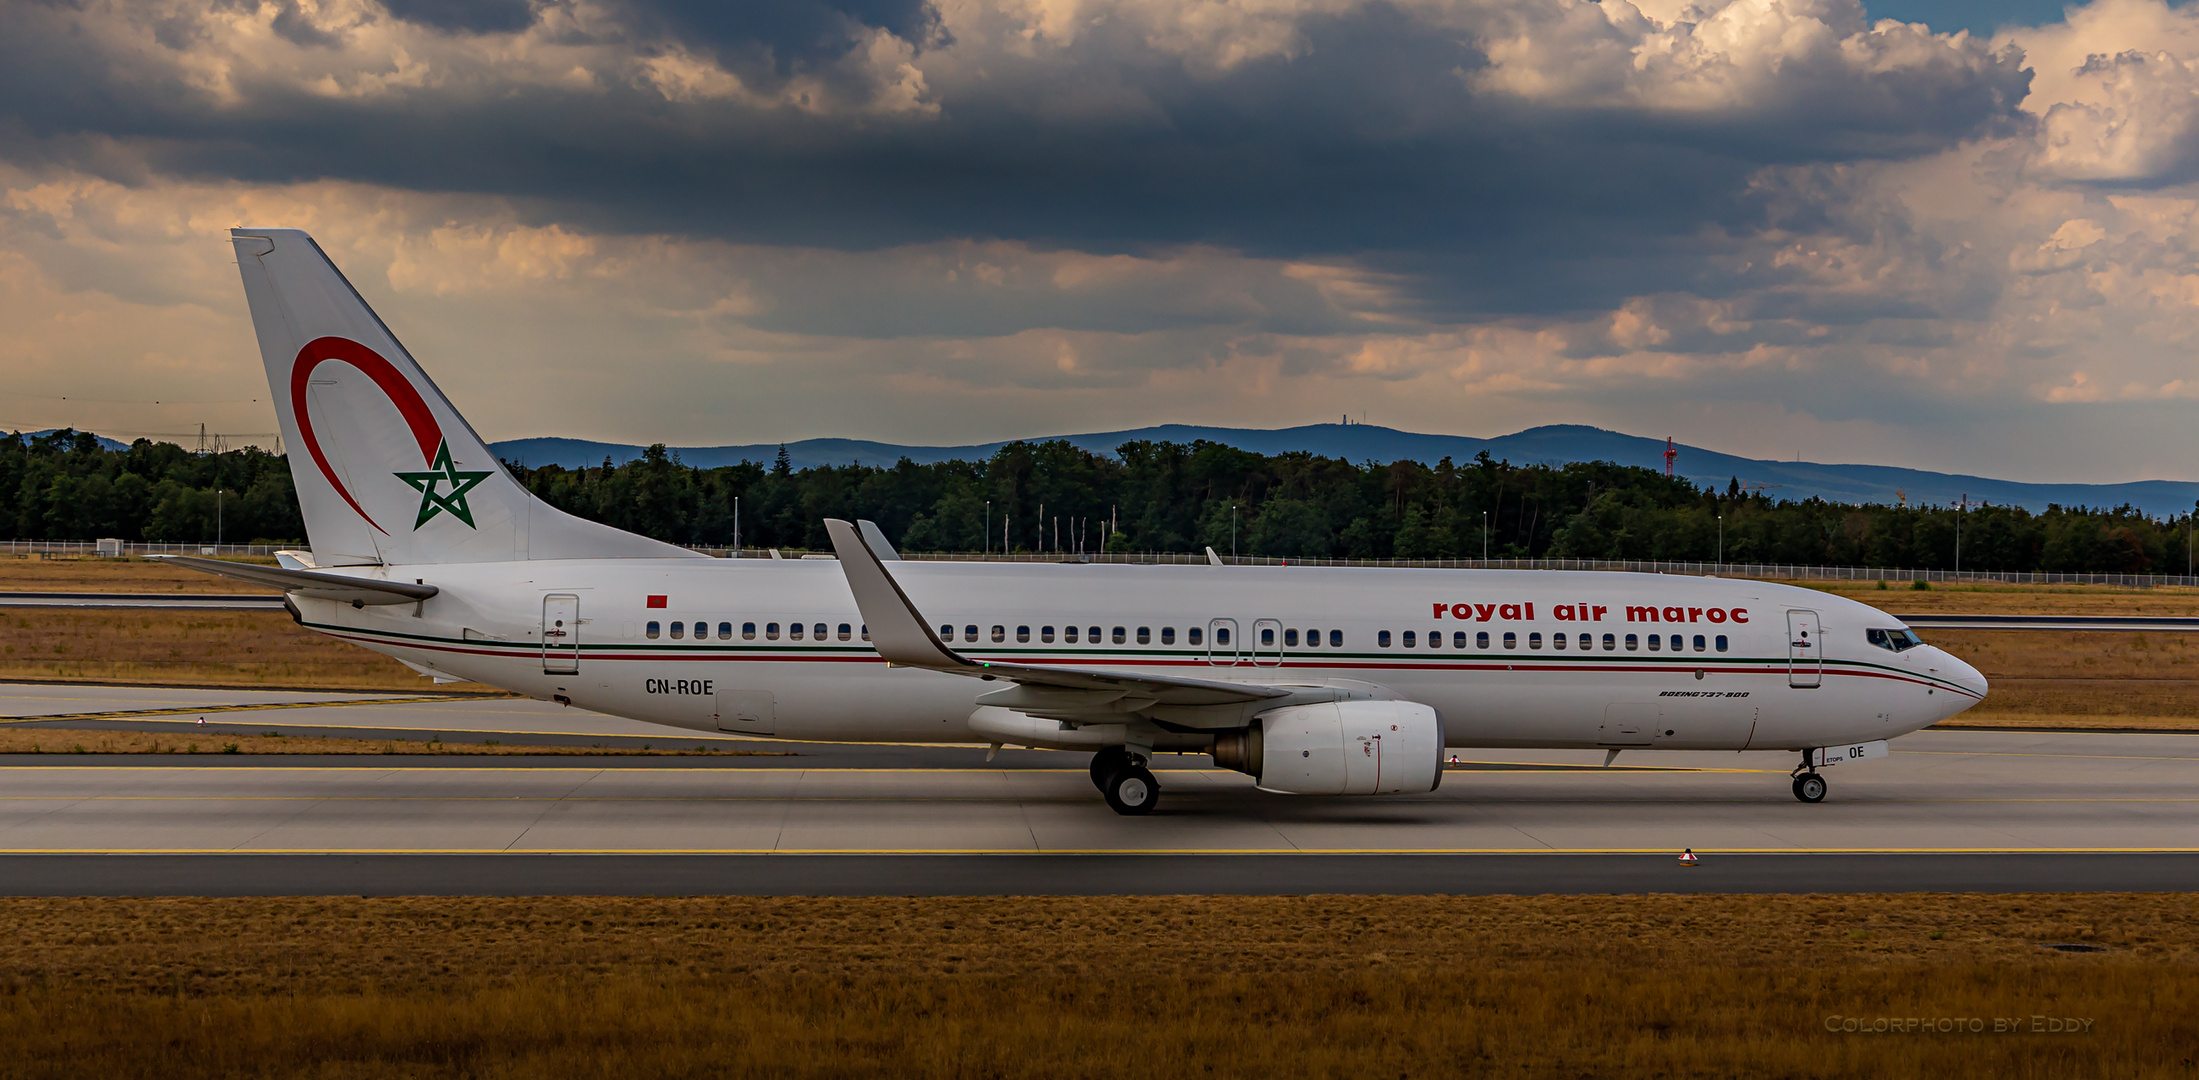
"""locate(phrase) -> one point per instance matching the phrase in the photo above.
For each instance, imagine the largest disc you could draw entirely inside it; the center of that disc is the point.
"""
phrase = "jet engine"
(1339, 748)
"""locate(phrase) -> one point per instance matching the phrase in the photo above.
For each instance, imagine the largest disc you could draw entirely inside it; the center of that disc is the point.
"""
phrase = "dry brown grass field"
(1649, 986)
(18, 740)
(37, 573)
(192, 648)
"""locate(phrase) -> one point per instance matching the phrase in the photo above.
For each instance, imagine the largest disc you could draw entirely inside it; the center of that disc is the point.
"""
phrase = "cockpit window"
(1893, 640)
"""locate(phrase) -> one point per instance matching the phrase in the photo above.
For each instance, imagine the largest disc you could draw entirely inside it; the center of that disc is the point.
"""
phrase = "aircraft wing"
(903, 636)
(315, 583)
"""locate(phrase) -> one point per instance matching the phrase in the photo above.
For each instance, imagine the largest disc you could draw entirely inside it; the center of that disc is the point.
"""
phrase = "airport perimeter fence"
(123, 547)
(1755, 571)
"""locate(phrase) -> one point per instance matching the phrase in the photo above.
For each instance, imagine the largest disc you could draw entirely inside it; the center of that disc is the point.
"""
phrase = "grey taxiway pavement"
(1950, 810)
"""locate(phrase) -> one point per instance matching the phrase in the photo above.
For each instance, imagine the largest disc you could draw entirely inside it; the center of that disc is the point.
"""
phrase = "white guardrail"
(1762, 571)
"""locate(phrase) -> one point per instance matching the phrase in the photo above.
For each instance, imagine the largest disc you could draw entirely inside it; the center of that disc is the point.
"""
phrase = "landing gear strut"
(1808, 785)
(1123, 778)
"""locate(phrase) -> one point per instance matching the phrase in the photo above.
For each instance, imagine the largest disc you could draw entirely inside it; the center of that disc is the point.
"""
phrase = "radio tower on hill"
(1671, 453)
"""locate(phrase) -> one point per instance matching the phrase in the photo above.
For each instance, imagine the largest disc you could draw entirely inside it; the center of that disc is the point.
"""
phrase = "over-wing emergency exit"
(1314, 681)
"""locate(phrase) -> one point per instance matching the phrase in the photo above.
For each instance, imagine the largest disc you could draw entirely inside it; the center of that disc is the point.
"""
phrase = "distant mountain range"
(1554, 444)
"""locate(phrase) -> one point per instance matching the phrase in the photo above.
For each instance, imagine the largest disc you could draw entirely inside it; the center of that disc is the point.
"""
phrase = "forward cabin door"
(561, 634)
(1221, 643)
(1805, 650)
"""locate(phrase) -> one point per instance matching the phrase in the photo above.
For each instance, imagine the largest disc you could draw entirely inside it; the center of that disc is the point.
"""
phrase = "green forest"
(1147, 497)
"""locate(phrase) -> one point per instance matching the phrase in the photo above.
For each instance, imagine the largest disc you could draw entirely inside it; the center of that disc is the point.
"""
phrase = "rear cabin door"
(1805, 650)
(1222, 643)
(560, 634)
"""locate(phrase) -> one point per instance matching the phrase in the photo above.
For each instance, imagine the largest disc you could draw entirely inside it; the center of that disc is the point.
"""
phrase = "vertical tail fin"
(386, 470)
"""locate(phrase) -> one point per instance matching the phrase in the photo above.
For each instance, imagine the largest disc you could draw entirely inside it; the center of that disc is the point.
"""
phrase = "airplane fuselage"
(1554, 659)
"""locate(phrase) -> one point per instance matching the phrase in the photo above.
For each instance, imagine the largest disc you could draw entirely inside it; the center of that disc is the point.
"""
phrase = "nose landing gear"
(1122, 777)
(1808, 785)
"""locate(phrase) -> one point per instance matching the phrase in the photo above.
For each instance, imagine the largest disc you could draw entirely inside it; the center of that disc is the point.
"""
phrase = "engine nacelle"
(1339, 748)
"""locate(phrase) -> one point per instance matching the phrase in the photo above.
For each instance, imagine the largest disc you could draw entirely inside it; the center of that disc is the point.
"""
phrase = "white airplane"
(1315, 681)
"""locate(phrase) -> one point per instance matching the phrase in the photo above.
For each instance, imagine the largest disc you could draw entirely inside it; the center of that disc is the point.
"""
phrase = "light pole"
(1233, 530)
(1721, 541)
(736, 526)
(217, 517)
(988, 526)
(1484, 536)
(1964, 509)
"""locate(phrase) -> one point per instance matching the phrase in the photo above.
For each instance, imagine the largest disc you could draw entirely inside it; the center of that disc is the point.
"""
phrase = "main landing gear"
(1808, 785)
(1122, 777)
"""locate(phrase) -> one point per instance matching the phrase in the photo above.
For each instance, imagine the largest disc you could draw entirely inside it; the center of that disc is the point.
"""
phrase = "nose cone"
(1963, 675)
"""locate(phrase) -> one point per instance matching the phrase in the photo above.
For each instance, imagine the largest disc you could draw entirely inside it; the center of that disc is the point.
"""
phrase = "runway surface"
(1950, 810)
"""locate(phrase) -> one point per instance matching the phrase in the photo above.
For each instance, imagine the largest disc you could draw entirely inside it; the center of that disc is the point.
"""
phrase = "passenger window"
(725, 631)
(946, 633)
(1435, 639)
(1336, 639)
(820, 628)
(1000, 633)
(679, 630)
(1654, 641)
(1632, 642)
(1587, 642)
(1221, 636)
(771, 631)
(1046, 634)
(1193, 635)
(1023, 633)
(1290, 638)
(1699, 643)
(969, 633)
(1093, 635)
(1677, 643)
(1382, 638)
(1608, 642)
(651, 630)
(1267, 635)
(1168, 635)
(1411, 639)
(793, 631)
(1069, 634)
(1458, 639)
(1481, 640)
(1145, 635)
(1120, 635)
(1511, 640)
(748, 631)
(1534, 641)
(864, 630)
(1721, 643)
(846, 631)
(1557, 641)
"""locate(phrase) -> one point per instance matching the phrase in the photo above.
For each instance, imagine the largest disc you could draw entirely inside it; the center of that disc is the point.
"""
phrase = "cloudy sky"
(1912, 232)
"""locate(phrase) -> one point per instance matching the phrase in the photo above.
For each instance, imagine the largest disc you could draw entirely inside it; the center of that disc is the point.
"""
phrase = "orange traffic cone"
(1687, 857)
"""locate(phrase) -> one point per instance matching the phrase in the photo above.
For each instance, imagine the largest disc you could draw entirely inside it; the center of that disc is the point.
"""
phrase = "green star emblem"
(443, 470)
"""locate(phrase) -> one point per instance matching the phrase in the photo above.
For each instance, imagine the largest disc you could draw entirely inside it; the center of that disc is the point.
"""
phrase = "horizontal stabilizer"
(318, 584)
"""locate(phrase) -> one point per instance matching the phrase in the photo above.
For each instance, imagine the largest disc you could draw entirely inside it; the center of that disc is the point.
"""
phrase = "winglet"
(1213, 559)
(897, 630)
(876, 538)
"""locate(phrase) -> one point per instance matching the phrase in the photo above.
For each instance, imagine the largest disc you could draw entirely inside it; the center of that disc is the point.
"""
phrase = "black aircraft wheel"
(1132, 790)
(1810, 788)
(1107, 760)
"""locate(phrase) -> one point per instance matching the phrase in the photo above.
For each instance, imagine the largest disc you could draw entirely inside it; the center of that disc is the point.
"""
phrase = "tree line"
(1148, 496)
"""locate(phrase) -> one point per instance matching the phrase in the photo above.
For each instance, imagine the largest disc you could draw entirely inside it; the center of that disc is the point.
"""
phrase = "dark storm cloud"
(466, 16)
(787, 32)
(1369, 140)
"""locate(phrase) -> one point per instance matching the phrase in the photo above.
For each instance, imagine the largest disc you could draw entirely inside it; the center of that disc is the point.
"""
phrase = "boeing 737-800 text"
(1315, 681)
